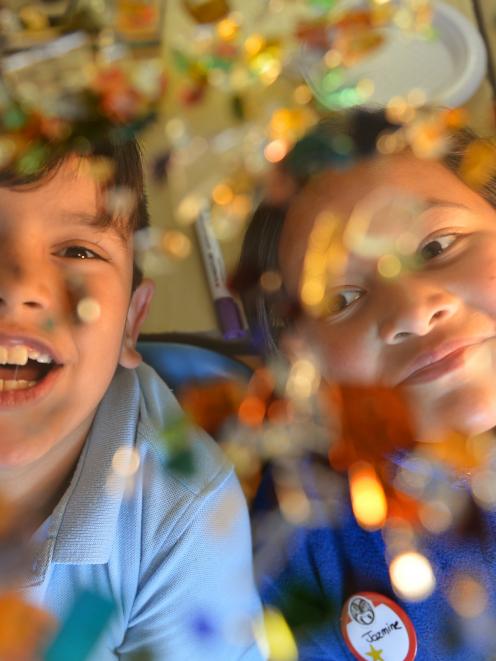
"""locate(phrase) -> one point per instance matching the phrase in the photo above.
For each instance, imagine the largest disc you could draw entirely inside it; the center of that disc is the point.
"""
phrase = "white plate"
(449, 69)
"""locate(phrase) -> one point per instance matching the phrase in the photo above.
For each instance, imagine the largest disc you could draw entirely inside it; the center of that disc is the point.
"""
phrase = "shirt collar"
(84, 522)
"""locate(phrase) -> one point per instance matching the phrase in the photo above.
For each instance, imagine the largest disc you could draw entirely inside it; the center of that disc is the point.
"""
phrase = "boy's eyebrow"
(435, 202)
(99, 220)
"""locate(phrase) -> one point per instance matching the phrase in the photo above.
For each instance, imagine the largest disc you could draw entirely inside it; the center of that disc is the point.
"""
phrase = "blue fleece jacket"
(325, 566)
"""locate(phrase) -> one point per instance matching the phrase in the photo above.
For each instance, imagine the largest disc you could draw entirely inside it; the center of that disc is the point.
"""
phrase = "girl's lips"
(12, 398)
(448, 363)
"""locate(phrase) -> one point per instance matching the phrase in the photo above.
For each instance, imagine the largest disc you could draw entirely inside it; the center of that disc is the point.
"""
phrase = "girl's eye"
(437, 246)
(341, 300)
(78, 252)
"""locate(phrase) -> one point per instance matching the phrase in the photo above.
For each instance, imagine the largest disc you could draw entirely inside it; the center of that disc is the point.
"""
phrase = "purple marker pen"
(227, 310)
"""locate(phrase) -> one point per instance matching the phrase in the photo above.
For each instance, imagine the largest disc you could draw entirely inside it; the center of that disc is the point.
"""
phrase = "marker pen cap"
(229, 318)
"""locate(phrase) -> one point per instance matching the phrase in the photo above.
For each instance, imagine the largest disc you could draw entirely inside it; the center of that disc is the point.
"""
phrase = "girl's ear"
(138, 309)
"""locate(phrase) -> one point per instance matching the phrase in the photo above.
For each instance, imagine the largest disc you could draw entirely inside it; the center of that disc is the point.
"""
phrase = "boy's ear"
(138, 309)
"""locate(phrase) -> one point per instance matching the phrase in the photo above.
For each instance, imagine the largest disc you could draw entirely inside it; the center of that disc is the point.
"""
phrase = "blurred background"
(183, 301)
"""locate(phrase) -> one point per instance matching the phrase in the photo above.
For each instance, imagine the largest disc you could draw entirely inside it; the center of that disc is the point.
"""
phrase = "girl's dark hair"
(259, 254)
(125, 157)
(334, 143)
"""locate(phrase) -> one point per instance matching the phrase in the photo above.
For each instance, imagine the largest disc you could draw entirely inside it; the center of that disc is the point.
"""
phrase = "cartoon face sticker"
(361, 610)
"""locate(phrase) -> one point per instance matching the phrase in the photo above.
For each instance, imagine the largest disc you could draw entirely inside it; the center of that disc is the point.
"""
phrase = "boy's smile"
(27, 368)
(428, 325)
(24, 365)
(54, 366)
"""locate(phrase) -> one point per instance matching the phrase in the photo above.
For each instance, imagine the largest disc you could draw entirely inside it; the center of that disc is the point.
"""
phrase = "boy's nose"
(22, 288)
(414, 309)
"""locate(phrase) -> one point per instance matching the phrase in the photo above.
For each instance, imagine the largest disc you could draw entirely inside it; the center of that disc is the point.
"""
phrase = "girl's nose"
(413, 307)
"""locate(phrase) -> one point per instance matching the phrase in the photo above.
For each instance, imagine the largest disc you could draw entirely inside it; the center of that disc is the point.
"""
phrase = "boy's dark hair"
(123, 154)
(334, 142)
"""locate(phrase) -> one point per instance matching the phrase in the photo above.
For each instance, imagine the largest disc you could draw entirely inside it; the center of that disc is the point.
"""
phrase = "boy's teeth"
(42, 358)
(39, 357)
(10, 384)
(19, 355)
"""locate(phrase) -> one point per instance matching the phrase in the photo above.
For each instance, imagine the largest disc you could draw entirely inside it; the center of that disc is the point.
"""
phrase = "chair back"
(179, 364)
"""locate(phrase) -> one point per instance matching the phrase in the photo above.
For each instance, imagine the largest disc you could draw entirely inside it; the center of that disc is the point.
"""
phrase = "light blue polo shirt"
(174, 554)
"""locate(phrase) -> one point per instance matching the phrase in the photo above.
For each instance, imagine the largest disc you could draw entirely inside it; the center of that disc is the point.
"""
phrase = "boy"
(78, 412)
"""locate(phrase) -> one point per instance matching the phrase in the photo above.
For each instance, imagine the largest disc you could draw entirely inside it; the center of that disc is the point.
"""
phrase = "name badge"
(377, 629)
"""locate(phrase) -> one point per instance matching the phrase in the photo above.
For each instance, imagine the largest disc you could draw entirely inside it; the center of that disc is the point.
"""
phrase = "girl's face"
(414, 302)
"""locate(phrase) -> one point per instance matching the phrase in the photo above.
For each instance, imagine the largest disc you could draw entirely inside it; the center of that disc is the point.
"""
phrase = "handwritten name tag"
(375, 628)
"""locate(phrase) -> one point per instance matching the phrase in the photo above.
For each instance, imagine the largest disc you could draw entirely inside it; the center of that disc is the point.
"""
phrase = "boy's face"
(52, 254)
(427, 323)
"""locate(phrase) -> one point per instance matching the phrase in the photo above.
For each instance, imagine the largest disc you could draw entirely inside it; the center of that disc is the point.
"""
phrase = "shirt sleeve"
(196, 597)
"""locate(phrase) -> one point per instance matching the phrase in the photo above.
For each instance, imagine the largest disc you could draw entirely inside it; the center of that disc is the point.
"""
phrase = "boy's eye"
(78, 252)
(437, 246)
(341, 300)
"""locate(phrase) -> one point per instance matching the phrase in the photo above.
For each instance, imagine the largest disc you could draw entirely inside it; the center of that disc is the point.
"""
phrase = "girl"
(388, 269)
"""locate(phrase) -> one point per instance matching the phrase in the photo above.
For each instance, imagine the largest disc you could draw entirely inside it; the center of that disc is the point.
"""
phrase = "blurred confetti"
(24, 629)
(375, 422)
(176, 440)
(479, 163)
(60, 95)
(125, 464)
(412, 576)
(79, 632)
(367, 496)
(468, 596)
(279, 644)
(88, 310)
